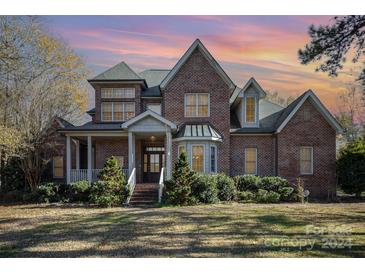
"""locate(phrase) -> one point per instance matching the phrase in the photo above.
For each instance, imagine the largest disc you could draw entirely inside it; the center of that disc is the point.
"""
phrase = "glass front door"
(153, 161)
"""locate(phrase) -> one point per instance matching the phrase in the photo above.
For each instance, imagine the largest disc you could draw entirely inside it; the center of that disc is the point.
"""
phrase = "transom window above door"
(117, 111)
(118, 93)
(197, 105)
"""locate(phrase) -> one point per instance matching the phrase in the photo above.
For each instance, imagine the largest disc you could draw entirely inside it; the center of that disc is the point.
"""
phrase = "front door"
(153, 161)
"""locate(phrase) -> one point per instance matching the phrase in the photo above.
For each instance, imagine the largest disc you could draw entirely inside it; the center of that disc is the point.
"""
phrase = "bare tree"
(274, 97)
(41, 78)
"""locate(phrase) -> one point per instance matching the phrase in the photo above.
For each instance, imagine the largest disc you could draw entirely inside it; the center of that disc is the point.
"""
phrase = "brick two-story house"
(146, 119)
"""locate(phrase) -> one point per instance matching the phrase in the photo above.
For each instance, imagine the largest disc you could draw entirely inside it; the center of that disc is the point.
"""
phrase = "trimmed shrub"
(247, 182)
(272, 183)
(80, 191)
(178, 190)
(286, 194)
(112, 188)
(226, 187)
(351, 168)
(47, 193)
(204, 189)
(246, 196)
(264, 196)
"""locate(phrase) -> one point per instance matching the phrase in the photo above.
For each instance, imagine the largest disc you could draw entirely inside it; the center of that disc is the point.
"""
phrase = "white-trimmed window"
(251, 161)
(250, 109)
(155, 108)
(117, 111)
(197, 105)
(197, 158)
(118, 93)
(58, 167)
(306, 160)
(181, 149)
(213, 159)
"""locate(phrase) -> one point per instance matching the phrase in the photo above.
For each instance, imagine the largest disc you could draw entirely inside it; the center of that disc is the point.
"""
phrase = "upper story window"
(155, 108)
(250, 109)
(117, 111)
(197, 105)
(118, 93)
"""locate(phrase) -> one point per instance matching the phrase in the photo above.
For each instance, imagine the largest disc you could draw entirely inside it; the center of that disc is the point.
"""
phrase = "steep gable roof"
(251, 81)
(120, 71)
(197, 45)
(290, 110)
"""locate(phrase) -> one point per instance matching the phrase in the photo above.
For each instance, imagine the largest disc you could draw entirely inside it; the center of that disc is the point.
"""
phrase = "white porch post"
(131, 153)
(168, 155)
(89, 174)
(77, 154)
(68, 159)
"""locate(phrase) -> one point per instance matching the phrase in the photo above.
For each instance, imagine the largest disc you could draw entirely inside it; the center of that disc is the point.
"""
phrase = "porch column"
(77, 154)
(168, 155)
(89, 173)
(131, 153)
(68, 159)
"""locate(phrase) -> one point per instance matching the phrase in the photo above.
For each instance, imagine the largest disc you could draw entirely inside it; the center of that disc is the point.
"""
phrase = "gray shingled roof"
(151, 92)
(154, 77)
(90, 126)
(120, 71)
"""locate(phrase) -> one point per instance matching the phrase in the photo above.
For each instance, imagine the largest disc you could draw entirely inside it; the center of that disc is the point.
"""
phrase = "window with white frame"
(213, 159)
(197, 105)
(58, 167)
(117, 111)
(250, 109)
(306, 160)
(197, 158)
(118, 93)
(155, 108)
(251, 161)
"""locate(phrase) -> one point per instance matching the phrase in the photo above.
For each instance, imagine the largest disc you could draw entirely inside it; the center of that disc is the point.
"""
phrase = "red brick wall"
(98, 100)
(265, 154)
(314, 132)
(198, 76)
(107, 147)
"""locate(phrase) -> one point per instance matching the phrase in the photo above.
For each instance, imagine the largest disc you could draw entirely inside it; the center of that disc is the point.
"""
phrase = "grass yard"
(226, 230)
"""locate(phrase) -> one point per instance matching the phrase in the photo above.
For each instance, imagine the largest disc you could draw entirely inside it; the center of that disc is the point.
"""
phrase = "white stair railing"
(131, 184)
(161, 185)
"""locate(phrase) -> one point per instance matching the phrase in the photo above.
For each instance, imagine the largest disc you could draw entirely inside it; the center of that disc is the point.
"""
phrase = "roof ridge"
(122, 63)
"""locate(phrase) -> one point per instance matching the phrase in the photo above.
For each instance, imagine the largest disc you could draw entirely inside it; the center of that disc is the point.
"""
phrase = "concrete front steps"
(145, 194)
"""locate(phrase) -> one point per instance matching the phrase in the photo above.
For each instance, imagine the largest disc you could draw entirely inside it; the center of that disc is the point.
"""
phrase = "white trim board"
(145, 114)
(319, 106)
(197, 45)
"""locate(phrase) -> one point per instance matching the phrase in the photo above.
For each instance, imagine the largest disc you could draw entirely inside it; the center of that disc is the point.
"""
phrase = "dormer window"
(250, 109)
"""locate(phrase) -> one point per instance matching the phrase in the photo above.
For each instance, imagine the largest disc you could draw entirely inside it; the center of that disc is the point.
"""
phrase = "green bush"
(204, 189)
(111, 190)
(178, 190)
(286, 194)
(12, 176)
(264, 196)
(47, 193)
(272, 183)
(246, 196)
(226, 187)
(351, 168)
(80, 191)
(247, 182)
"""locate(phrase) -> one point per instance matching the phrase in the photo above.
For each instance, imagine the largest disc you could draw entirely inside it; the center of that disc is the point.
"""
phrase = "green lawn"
(227, 230)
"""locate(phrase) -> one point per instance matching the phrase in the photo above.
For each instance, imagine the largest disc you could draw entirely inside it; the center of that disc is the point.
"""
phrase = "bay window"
(213, 159)
(197, 105)
(197, 158)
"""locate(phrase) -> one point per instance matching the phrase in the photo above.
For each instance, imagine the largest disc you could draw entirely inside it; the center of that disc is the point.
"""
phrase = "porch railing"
(161, 184)
(131, 184)
(81, 174)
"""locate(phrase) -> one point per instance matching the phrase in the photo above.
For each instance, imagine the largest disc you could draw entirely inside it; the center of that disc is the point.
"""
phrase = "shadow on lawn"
(159, 233)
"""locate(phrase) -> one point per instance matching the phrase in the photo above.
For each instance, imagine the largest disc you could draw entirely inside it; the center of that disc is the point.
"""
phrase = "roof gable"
(197, 45)
(251, 82)
(120, 71)
(289, 112)
(147, 114)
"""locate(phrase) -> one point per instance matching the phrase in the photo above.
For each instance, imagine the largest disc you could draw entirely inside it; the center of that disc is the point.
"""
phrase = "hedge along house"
(146, 119)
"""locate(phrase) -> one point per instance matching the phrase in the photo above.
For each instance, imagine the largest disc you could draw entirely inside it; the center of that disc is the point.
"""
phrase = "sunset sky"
(264, 47)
